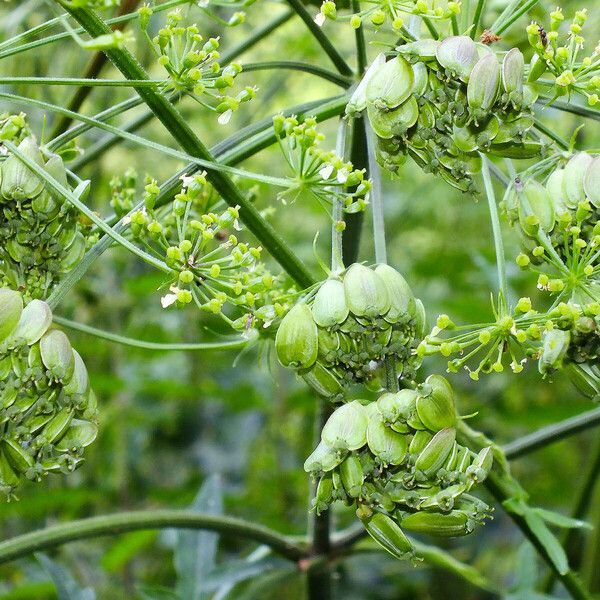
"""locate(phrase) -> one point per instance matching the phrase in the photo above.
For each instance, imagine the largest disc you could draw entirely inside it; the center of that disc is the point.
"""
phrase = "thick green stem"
(336, 58)
(183, 134)
(83, 529)
(552, 433)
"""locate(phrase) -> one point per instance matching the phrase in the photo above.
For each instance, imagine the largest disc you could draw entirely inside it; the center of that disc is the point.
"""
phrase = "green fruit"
(575, 171)
(397, 406)
(322, 380)
(455, 523)
(352, 475)
(329, 306)
(435, 454)
(79, 383)
(11, 307)
(57, 355)
(366, 292)
(484, 85)
(296, 341)
(346, 428)
(388, 535)
(402, 300)
(591, 182)
(536, 208)
(387, 445)
(18, 181)
(35, 320)
(458, 54)
(358, 100)
(80, 434)
(513, 68)
(435, 404)
(555, 346)
(391, 84)
(322, 458)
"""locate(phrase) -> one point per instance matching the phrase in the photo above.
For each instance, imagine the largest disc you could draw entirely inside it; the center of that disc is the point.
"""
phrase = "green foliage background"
(169, 421)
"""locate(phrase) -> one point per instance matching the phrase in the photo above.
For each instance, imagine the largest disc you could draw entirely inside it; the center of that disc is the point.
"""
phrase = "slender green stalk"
(236, 343)
(80, 81)
(361, 47)
(337, 212)
(340, 80)
(549, 133)
(514, 16)
(336, 58)
(477, 17)
(575, 109)
(84, 529)
(431, 28)
(376, 197)
(180, 130)
(61, 190)
(571, 538)
(497, 231)
(552, 433)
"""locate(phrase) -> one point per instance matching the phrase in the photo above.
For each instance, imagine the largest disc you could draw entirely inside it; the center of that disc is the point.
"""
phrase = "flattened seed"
(346, 428)
(387, 445)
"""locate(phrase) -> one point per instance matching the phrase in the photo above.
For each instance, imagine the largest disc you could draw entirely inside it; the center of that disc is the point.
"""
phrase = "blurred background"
(171, 421)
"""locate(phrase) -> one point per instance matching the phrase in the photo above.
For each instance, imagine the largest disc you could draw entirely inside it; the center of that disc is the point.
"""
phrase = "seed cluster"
(398, 461)
(48, 412)
(41, 235)
(350, 327)
(444, 103)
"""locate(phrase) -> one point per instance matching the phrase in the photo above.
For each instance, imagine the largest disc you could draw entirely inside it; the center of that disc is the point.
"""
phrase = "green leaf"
(559, 520)
(128, 546)
(526, 567)
(66, 586)
(196, 551)
(546, 538)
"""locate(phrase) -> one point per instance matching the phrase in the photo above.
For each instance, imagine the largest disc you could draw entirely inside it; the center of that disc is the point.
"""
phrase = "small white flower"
(126, 220)
(167, 300)
(187, 180)
(320, 19)
(202, 3)
(342, 175)
(225, 117)
(326, 171)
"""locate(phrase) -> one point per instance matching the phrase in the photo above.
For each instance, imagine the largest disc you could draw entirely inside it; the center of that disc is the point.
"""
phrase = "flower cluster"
(192, 64)
(444, 103)
(323, 174)
(210, 266)
(380, 12)
(13, 128)
(48, 409)
(559, 56)
(350, 328)
(398, 461)
(42, 236)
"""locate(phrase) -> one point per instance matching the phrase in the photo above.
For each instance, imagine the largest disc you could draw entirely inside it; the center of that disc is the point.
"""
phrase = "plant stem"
(477, 17)
(552, 433)
(237, 343)
(361, 47)
(376, 196)
(337, 212)
(576, 109)
(93, 527)
(319, 582)
(514, 16)
(180, 130)
(341, 80)
(549, 133)
(581, 507)
(336, 58)
(497, 232)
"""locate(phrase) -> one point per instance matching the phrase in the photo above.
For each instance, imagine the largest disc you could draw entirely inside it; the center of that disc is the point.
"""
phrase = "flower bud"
(483, 86)
(57, 355)
(452, 524)
(11, 307)
(556, 344)
(387, 533)
(513, 67)
(435, 404)
(352, 475)
(402, 300)
(391, 84)
(18, 181)
(535, 201)
(575, 171)
(435, 454)
(591, 182)
(366, 292)
(329, 307)
(388, 446)
(35, 320)
(458, 54)
(346, 428)
(296, 341)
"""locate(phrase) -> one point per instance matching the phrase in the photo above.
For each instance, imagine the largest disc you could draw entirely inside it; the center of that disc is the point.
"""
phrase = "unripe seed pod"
(463, 459)
(387, 445)
(57, 355)
(458, 54)
(329, 306)
(79, 384)
(574, 174)
(435, 454)
(535, 202)
(19, 459)
(322, 380)
(420, 319)
(527, 149)
(324, 494)
(425, 49)
(296, 341)
(35, 320)
(555, 189)
(402, 300)
(323, 458)
(18, 181)
(11, 307)
(387, 533)
(80, 434)
(483, 86)
(8, 478)
(455, 523)
(591, 182)
(346, 428)
(556, 344)
(421, 79)
(391, 84)
(358, 100)
(537, 67)
(419, 442)
(366, 292)
(513, 67)
(352, 474)
(395, 122)
(435, 404)
(444, 499)
(481, 466)
(56, 427)
(396, 406)
(74, 253)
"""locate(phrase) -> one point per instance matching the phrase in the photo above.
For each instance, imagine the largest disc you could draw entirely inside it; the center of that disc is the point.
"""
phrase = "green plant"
(449, 96)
